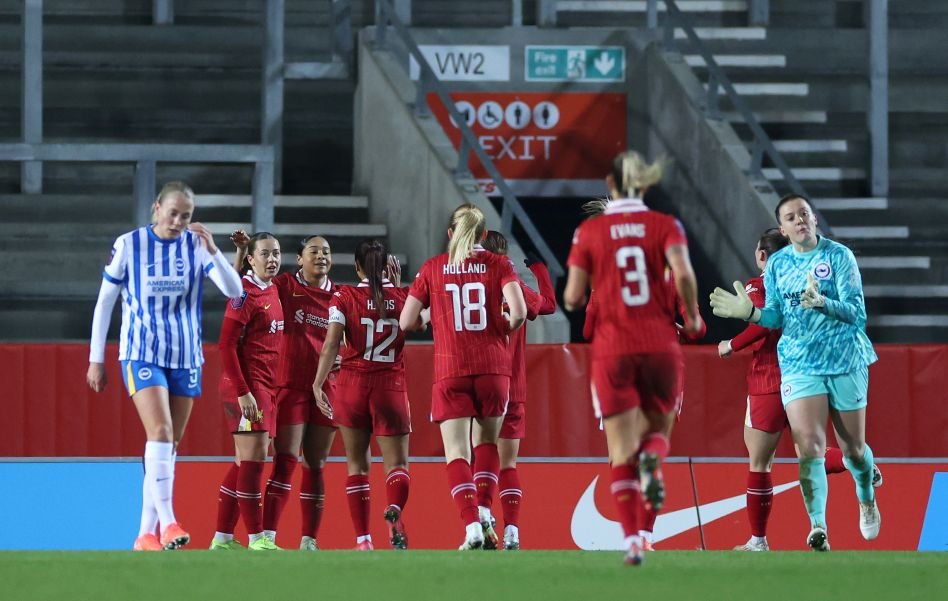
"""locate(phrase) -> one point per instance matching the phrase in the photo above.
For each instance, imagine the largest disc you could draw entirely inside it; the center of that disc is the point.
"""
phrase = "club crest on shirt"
(179, 265)
(144, 373)
(787, 389)
(237, 303)
(823, 271)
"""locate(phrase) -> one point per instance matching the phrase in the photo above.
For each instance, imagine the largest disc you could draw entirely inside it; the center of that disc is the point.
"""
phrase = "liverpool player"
(305, 295)
(495, 466)
(765, 418)
(159, 271)
(636, 356)
(465, 289)
(371, 394)
(250, 344)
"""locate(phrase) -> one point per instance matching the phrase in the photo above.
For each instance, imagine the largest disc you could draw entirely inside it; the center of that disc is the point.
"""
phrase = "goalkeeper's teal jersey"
(827, 341)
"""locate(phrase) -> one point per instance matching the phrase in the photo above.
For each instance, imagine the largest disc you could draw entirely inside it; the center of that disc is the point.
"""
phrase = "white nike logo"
(592, 531)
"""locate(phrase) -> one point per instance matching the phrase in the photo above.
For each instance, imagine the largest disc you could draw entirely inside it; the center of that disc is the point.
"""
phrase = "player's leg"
(228, 512)
(316, 444)
(486, 469)
(761, 446)
(358, 494)
(397, 484)
(624, 433)
(807, 416)
(251, 448)
(511, 492)
(291, 419)
(456, 436)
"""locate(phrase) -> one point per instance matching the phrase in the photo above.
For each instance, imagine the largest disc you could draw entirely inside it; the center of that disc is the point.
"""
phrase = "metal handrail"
(511, 206)
(717, 79)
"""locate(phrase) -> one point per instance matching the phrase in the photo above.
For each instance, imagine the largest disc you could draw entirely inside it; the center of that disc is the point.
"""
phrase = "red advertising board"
(544, 144)
(569, 506)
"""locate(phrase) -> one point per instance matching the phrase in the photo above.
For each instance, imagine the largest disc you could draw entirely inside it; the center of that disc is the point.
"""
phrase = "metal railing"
(428, 81)
(147, 156)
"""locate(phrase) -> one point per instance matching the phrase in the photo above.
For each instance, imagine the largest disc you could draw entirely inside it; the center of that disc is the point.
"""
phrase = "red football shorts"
(266, 403)
(376, 402)
(469, 396)
(296, 407)
(515, 425)
(649, 381)
(765, 412)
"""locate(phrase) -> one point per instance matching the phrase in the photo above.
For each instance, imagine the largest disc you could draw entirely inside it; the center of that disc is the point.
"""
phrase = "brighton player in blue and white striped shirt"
(814, 292)
(159, 271)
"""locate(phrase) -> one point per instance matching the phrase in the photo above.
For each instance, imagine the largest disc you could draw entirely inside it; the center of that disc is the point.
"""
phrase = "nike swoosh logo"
(592, 531)
(265, 307)
(162, 479)
(296, 295)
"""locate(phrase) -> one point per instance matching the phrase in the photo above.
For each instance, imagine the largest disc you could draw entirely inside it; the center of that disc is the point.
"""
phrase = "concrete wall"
(404, 165)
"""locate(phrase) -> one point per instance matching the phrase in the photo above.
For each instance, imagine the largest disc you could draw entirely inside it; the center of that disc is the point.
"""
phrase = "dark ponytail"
(771, 241)
(371, 257)
(495, 243)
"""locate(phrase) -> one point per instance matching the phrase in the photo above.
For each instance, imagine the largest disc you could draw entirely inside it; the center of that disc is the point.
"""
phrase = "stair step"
(725, 33)
(908, 321)
(845, 204)
(297, 202)
(882, 231)
(366, 230)
(894, 262)
(906, 291)
(775, 116)
(817, 173)
(770, 89)
(791, 146)
(739, 60)
(639, 6)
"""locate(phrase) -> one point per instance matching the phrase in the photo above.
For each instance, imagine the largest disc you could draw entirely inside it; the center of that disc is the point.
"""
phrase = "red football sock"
(357, 493)
(312, 495)
(655, 443)
(486, 466)
(228, 511)
(649, 516)
(249, 477)
(397, 484)
(628, 496)
(463, 490)
(760, 496)
(833, 461)
(511, 496)
(278, 489)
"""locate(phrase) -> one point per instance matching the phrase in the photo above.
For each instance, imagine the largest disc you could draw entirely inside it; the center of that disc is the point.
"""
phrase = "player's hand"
(811, 297)
(240, 238)
(248, 407)
(95, 377)
(532, 259)
(724, 349)
(322, 402)
(207, 239)
(737, 306)
(394, 270)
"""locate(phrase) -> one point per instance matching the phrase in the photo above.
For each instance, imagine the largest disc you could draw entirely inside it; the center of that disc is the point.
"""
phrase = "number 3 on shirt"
(468, 300)
(631, 260)
(380, 353)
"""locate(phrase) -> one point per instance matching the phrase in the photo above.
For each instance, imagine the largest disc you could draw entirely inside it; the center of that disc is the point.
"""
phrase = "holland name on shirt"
(451, 269)
(627, 230)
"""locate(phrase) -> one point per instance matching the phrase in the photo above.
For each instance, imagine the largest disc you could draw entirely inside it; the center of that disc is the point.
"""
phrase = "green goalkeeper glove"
(738, 306)
(811, 297)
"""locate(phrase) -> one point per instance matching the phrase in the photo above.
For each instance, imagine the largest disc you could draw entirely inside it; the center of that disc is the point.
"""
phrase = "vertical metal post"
(31, 93)
(261, 213)
(381, 22)
(271, 114)
(340, 21)
(516, 13)
(879, 96)
(162, 12)
(759, 13)
(144, 191)
(403, 11)
(546, 13)
(651, 14)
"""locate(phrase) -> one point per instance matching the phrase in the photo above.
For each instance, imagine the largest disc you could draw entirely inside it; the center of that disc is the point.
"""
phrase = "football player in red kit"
(371, 394)
(465, 289)
(636, 366)
(495, 466)
(251, 339)
(306, 295)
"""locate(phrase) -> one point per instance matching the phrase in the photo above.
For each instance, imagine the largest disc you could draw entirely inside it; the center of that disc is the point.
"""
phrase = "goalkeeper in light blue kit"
(814, 292)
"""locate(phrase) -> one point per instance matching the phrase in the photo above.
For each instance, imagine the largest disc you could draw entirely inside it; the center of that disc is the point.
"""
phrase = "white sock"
(367, 537)
(253, 537)
(223, 537)
(758, 539)
(646, 536)
(483, 513)
(149, 516)
(271, 534)
(473, 531)
(511, 530)
(159, 472)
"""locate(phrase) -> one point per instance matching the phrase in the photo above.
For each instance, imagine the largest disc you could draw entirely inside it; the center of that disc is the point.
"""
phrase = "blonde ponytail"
(467, 226)
(632, 174)
(595, 207)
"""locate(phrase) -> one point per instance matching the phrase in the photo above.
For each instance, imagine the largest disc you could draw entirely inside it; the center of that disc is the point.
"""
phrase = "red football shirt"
(259, 314)
(466, 300)
(538, 303)
(623, 251)
(763, 374)
(307, 319)
(373, 344)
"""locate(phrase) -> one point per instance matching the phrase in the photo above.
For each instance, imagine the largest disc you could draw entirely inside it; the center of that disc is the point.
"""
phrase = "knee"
(855, 451)
(160, 433)
(811, 447)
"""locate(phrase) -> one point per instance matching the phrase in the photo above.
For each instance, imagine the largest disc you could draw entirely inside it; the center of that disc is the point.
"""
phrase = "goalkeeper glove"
(811, 297)
(738, 306)
(533, 258)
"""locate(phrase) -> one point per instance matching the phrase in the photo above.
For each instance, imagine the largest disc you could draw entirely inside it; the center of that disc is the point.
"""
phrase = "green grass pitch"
(457, 576)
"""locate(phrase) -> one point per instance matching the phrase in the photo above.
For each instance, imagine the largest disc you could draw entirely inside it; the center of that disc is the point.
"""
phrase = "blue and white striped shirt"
(162, 282)
(827, 341)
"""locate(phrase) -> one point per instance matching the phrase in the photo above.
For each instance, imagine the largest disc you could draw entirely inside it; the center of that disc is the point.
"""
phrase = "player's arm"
(851, 306)
(516, 304)
(113, 277)
(686, 285)
(240, 240)
(327, 359)
(740, 306)
(592, 311)
(545, 303)
(577, 282)
(410, 318)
